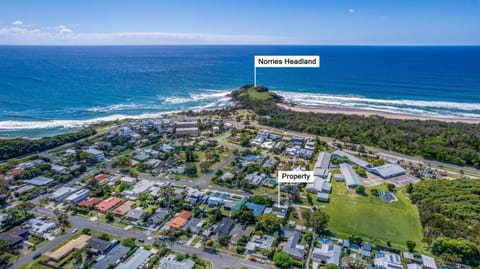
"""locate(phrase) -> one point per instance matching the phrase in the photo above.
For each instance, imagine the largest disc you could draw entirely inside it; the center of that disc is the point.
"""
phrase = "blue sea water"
(50, 89)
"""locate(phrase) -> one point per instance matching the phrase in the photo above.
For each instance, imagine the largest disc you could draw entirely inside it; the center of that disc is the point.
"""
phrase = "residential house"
(159, 216)
(366, 249)
(170, 262)
(138, 259)
(181, 219)
(15, 236)
(386, 260)
(195, 225)
(428, 262)
(61, 194)
(279, 211)
(259, 242)
(99, 246)
(224, 227)
(135, 214)
(97, 154)
(327, 254)
(293, 248)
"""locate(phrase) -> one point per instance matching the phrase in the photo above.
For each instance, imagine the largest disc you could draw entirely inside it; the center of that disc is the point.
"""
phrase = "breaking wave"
(401, 106)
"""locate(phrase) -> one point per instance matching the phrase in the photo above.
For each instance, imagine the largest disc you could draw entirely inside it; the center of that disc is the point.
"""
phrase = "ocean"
(45, 90)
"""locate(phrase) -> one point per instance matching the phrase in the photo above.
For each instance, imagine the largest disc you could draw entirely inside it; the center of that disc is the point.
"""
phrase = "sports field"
(372, 219)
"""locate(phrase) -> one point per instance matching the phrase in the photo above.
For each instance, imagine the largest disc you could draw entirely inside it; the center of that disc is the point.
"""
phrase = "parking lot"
(404, 180)
(371, 180)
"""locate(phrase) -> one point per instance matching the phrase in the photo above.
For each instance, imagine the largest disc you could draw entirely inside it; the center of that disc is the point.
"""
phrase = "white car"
(74, 230)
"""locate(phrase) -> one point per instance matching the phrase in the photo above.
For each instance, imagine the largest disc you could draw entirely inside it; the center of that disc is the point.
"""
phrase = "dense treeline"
(449, 208)
(450, 216)
(11, 148)
(456, 143)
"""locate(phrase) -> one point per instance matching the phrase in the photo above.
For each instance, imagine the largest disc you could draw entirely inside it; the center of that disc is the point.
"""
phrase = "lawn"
(371, 218)
(34, 265)
(258, 95)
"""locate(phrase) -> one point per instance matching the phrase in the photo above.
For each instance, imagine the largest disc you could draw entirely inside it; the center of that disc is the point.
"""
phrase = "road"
(381, 152)
(218, 260)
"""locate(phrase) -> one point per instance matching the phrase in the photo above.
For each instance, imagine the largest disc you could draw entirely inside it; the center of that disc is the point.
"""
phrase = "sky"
(157, 22)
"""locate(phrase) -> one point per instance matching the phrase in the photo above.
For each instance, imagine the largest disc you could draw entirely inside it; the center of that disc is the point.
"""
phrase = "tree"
(375, 192)
(318, 220)
(240, 249)
(204, 166)
(409, 188)
(224, 240)
(24, 207)
(411, 245)
(129, 242)
(125, 161)
(86, 231)
(360, 189)
(350, 262)
(167, 194)
(357, 240)
(109, 217)
(391, 187)
(105, 237)
(191, 170)
(244, 215)
(455, 250)
(331, 266)
(62, 216)
(268, 223)
(282, 260)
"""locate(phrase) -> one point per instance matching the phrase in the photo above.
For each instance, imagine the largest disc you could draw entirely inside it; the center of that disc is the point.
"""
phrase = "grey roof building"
(99, 245)
(323, 161)
(135, 214)
(257, 242)
(39, 181)
(352, 158)
(171, 262)
(194, 225)
(225, 227)
(388, 170)
(159, 215)
(428, 262)
(351, 177)
(292, 247)
(136, 260)
(327, 254)
(115, 255)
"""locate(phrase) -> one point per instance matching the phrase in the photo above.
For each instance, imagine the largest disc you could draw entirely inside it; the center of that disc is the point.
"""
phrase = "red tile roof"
(90, 201)
(108, 204)
(181, 219)
(101, 177)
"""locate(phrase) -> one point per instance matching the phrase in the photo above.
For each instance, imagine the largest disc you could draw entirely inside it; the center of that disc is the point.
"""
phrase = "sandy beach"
(367, 113)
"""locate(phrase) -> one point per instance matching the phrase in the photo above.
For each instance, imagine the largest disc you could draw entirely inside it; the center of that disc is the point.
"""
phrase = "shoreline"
(369, 113)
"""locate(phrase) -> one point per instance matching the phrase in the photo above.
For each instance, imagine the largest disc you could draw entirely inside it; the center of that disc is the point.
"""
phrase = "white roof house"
(61, 193)
(171, 262)
(388, 261)
(429, 262)
(327, 254)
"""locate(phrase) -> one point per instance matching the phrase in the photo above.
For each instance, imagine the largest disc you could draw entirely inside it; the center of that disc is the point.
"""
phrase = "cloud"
(17, 22)
(62, 29)
(351, 11)
(64, 35)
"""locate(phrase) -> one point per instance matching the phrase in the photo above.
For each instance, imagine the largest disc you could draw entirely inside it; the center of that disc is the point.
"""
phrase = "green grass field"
(371, 218)
(258, 95)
